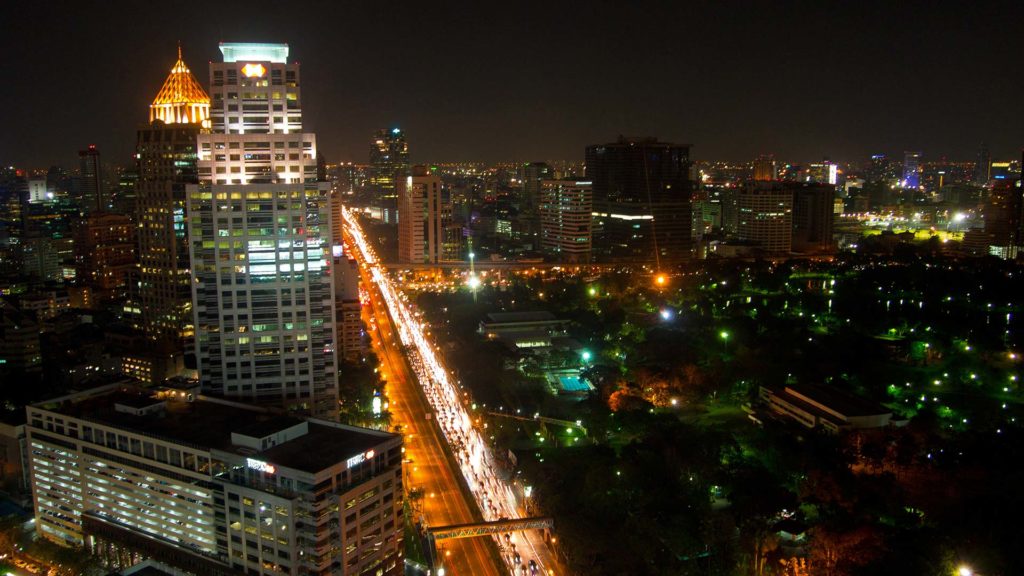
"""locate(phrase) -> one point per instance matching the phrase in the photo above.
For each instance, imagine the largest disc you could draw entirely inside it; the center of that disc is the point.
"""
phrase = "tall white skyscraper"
(260, 225)
(421, 218)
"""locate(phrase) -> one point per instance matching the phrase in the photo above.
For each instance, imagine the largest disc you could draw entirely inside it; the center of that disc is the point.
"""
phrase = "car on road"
(533, 566)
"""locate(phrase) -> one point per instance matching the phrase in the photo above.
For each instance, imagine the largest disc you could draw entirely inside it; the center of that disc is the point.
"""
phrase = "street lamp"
(725, 338)
(965, 571)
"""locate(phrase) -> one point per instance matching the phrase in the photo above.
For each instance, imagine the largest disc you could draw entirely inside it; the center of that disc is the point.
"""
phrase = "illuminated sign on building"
(254, 70)
(260, 465)
(359, 458)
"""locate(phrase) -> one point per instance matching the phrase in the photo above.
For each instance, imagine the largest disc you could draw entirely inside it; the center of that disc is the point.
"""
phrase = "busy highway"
(493, 492)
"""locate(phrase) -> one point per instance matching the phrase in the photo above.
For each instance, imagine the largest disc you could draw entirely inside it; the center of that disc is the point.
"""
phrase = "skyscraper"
(813, 216)
(982, 166)
(765, 216)
(565, 219)
(260, 224)
(389, 163)
(641, 200)
(166, 153)
(911, 169)
(420, 218)
(764, 167)
(92, 192)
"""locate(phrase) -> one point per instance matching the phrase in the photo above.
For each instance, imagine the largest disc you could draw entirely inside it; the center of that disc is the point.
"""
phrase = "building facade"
(389, 166)
(421, 218)
(565, 208)
(92, 193)
(105, 254)
(642, 205)
(260, 224)
(764, 168)
(167, 162)
(214, 487)
(813, 217)
(765, 217)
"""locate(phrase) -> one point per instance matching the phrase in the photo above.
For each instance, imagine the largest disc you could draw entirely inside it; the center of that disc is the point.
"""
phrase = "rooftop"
(208, 424)
(255, 51)
(512, 317)
(842, 402)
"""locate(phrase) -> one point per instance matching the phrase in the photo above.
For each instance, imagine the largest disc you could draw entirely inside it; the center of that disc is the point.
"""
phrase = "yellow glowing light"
(660, 279)
(252, 69)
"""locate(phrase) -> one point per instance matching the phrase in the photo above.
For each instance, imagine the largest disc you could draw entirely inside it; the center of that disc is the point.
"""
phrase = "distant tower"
(534, 174)
(983, 166)
(642, 199)
(92, 180)
(911, 169)
(565, 209)
(420, 218)
(389, 163)
(764, 167)
(166, 152)
(766, 216)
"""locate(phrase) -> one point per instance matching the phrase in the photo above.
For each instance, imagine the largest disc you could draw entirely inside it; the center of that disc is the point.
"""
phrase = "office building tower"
(214, 487)
(641, 200)
(348, 308)
(911, 169)
(420, 218)
(764, 168)
(20, 347)
(1004, 217)
(765, 217)
(259, 232)
(813, 216)
(105, 254)
(565, 208)
(982, 166)
(534, 175)
(389, 165)
(92, 196)
(166, 155)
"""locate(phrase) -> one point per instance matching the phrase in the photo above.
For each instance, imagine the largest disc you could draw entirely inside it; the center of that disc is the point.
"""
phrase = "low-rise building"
(214, 487)
(828, 408)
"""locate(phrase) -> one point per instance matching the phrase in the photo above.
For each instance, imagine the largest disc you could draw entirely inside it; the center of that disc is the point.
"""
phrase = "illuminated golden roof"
(181, 99)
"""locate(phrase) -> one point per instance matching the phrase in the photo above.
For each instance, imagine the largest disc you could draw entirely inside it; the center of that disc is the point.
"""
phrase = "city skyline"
(543, 83)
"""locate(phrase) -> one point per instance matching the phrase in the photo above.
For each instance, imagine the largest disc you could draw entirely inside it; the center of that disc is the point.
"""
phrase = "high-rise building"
(641, 200)
(166, 153)
(214, 487)
(389, 164)
(259, 232)
(565, 208)
(911, 169)
(92, 194)
(105, 254)
(534, 174)
(348, 307)
(420, 218)
(813, 216)
(982, 166)
(765, 216)
(1004, 218)
(764, 168)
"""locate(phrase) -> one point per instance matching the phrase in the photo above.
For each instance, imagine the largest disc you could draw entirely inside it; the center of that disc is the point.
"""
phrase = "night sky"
(525, 81)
